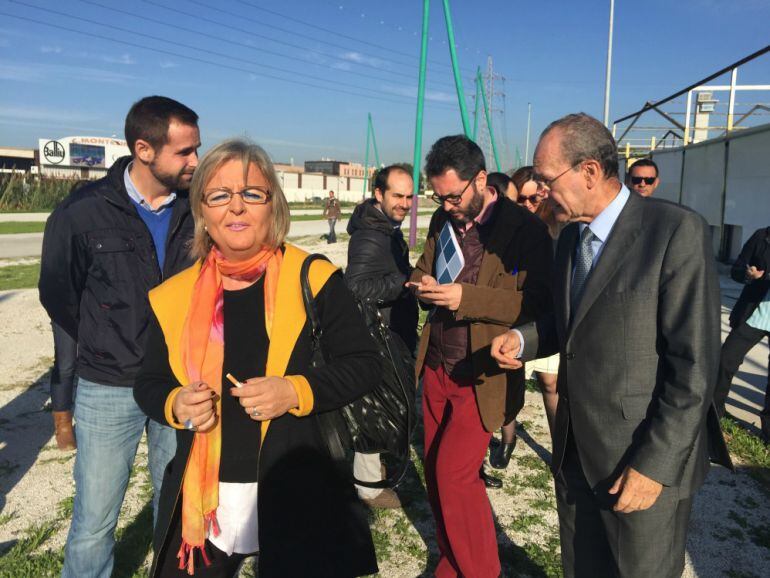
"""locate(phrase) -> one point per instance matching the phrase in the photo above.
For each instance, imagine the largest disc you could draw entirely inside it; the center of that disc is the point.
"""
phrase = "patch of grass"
(738, 519)
(544, 502)
(15, 227)
(23, 560)
(526, 522)
(750, 450)
(7, 468)
(540, 480)
(380, 535)
(745, 445)
(532, 462)
(58, 459)
(532, 386)
(740, 574)
(5, 518)
(19, 276)
(547, 556)
(760, 535)
(132, 544)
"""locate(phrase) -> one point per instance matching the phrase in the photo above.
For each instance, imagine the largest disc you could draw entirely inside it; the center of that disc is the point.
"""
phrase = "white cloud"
(411, 92)
(47, 49)
(36, 72)
(122, 59)
(46, 114)
(359, 58)
(168, 64)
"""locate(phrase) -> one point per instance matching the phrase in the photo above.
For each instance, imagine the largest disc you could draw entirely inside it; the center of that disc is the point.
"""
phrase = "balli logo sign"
(53, 151)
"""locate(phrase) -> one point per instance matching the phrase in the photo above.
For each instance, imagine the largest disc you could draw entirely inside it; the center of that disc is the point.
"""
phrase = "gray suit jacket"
(640, 353)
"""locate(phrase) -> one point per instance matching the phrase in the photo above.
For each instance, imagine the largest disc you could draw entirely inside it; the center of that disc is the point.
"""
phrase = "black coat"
(378, 267)
(311, 522)
(98, 264)
(755, 252)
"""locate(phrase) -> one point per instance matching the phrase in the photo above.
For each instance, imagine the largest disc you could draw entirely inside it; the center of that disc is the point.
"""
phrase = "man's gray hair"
(585, 138)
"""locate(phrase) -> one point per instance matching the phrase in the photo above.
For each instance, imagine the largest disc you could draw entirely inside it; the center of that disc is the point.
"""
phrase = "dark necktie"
(585, 258)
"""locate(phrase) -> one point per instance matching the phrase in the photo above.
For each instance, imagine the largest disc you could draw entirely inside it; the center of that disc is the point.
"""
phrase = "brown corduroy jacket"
(513, 287)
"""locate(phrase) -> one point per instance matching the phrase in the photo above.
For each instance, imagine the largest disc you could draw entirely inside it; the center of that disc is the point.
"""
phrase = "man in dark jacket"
(749, 319)
(105, 246)
(378, 268)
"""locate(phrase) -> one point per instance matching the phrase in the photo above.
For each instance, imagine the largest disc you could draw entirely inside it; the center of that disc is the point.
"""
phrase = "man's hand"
(505, 348)
(752, 273)
(637, 491)
(429, 291)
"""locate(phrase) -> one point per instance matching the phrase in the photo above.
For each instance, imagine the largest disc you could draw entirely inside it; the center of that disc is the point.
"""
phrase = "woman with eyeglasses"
(228, 365)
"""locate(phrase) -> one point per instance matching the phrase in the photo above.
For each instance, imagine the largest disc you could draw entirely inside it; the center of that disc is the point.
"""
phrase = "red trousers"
(455, 445)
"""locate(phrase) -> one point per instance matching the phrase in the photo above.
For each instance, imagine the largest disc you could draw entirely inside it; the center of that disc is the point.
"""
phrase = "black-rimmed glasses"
(452, 199)
(250, 195)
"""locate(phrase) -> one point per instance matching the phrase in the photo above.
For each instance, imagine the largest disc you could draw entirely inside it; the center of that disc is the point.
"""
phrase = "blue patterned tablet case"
(449, 257)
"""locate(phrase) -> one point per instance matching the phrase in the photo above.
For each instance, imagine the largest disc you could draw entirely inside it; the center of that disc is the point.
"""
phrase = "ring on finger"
(188, 424)
(254, 412)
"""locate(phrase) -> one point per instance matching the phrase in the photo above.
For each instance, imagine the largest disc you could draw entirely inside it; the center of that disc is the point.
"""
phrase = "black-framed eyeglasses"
(647, 180)
(250, 195)
(546, 184)
(452, 199)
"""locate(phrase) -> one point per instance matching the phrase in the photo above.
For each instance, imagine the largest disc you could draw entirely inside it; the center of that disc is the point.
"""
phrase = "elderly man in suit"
(636, 321)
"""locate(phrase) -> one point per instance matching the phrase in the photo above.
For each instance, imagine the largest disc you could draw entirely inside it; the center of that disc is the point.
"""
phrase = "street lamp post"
(609, 68)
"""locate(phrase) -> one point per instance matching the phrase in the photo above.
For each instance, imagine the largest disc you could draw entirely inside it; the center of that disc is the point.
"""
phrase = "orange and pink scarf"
(203, 356)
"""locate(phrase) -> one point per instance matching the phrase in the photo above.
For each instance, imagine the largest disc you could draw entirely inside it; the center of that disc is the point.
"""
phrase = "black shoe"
(764, 421)
(501, 455)
(490, 481)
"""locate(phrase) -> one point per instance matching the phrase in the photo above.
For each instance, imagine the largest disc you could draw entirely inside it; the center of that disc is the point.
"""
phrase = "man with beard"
(504, 279)
(105, 246)
(378, 268)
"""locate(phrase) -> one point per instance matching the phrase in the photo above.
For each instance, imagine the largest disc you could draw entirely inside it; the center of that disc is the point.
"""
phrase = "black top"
(755, 252)
(246, 344)
(378, 268)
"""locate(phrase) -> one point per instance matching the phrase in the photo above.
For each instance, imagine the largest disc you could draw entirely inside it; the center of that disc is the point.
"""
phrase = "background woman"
(239, 311)
(535, 200)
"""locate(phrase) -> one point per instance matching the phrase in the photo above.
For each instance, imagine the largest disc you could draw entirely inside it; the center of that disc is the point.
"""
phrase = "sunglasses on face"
(533, 199)
(647, 180)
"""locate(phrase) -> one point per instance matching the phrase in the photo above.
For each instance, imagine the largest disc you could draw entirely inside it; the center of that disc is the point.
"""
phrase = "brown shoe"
(65, 435)
(387, 499)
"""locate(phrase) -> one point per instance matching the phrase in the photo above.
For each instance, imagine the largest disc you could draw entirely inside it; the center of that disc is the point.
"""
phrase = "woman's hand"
(266, 397)
(196, 402)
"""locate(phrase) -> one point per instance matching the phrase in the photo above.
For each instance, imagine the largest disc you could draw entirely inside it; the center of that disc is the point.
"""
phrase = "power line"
(192, 47)
(203, 60)
(177, 26)
(337, 33)
(277, 41)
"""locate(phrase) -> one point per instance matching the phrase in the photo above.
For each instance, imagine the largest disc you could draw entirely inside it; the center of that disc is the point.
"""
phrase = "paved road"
(30, 244)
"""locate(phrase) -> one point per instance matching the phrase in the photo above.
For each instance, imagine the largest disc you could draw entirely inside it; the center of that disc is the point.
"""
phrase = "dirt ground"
(728, 536)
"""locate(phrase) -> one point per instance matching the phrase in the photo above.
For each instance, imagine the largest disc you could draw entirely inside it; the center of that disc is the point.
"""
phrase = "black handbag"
(383, 420)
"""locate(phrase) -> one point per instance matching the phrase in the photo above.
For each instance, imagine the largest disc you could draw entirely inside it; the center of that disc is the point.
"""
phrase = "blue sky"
(300, 76)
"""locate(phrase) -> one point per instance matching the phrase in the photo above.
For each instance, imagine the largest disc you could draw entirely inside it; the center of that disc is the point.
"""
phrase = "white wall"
(345, 188)
(747, 201)
(704, 175)
(670, 174)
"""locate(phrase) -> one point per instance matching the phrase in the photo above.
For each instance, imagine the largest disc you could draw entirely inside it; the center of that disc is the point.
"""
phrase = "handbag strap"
(328, 429)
